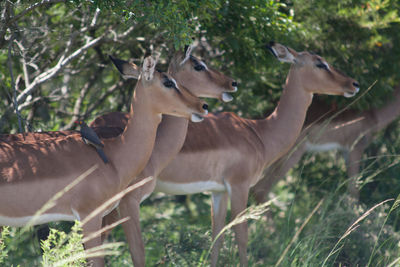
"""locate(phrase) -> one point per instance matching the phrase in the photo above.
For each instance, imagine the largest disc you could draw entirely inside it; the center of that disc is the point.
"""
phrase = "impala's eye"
(322, 65)
(169, 84)
(199, 67)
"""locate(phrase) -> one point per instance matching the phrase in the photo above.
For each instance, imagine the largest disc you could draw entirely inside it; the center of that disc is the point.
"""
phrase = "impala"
(199, 79)
(226, 154)
(33, 172)
(350, 132)
(202, 81)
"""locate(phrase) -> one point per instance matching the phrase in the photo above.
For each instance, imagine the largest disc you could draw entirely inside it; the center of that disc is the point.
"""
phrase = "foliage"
(61, 246)
(176, 21)
(3, 249)
(87, 85)
(359, 37)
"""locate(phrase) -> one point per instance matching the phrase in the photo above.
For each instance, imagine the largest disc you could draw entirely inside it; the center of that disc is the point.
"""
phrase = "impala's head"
(200, 79)
(313, 73)
(162, 92)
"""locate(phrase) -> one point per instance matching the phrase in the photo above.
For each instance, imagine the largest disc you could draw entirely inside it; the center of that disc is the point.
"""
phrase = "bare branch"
(5, 18)
(24, 64)
(78, 105)
(125, 33)
(95, 17)
(31, 102)
(43, 77)
(101, 99)
(15, 102)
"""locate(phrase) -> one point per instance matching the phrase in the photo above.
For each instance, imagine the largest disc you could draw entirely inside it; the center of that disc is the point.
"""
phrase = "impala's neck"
(388, 113)
(170, 137)
(280, 130)
(131, 151)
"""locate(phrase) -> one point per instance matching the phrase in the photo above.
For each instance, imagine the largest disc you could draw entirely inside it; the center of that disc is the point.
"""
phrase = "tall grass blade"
(353, 227)
(252, 212)
(394, 206)
(115, 198)
(296, 235)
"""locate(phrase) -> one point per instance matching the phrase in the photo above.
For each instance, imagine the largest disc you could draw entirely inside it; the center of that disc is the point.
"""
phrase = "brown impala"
(199, 79)
(350, 132)
(33, 172)
(226, 154)
(202, 81)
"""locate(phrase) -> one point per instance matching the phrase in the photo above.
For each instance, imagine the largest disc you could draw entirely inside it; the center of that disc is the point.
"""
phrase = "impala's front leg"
(218, 215)
(129, 206)
(89, 228)
(109, 219)
(239, 198)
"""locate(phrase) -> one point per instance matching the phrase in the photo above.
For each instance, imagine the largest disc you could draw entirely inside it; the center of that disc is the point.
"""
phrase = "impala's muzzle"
(354, 92)
(199, 117)
(234, 85)
(226, 97)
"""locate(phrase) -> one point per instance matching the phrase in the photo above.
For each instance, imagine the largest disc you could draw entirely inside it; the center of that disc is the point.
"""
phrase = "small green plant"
(3, 251)
(60, 246)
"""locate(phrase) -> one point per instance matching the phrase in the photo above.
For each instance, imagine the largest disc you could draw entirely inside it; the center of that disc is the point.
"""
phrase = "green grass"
(311, 222)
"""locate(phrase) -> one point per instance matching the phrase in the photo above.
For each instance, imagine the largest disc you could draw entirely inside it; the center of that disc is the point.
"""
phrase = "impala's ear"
(149, 65)
(282, 53)
(188, 50)
(127, 69)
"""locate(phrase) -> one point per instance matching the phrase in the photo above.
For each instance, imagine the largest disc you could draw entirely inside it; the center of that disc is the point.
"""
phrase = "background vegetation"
(54, 70)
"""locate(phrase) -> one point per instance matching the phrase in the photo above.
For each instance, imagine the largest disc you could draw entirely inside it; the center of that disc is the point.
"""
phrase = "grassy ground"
(311, 222)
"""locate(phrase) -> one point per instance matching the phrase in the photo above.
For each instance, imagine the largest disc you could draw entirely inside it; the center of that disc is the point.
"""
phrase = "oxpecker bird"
(90, 137)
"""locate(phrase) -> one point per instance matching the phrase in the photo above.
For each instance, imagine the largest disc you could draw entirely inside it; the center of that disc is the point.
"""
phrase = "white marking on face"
(323, 147)
(203, 64)
(173, 80)
(326, 65)
(189, 188)
(44, 218)
(196, 118)
(226, 97)
(346, 94)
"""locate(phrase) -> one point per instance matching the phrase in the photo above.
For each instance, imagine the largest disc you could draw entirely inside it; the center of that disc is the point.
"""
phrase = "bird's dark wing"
(91, 136)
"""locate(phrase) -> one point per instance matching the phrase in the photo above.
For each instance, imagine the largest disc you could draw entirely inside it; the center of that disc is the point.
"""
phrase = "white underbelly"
(44, 218)
(188, 188)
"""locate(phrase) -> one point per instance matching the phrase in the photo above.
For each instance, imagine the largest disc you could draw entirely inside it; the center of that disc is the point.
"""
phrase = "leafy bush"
(60, 246)
(3, 250)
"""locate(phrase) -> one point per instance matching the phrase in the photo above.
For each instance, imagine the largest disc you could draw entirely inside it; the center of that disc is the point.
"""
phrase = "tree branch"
(15, 102)
(109, 91)
(43, 77)
(24, 64)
